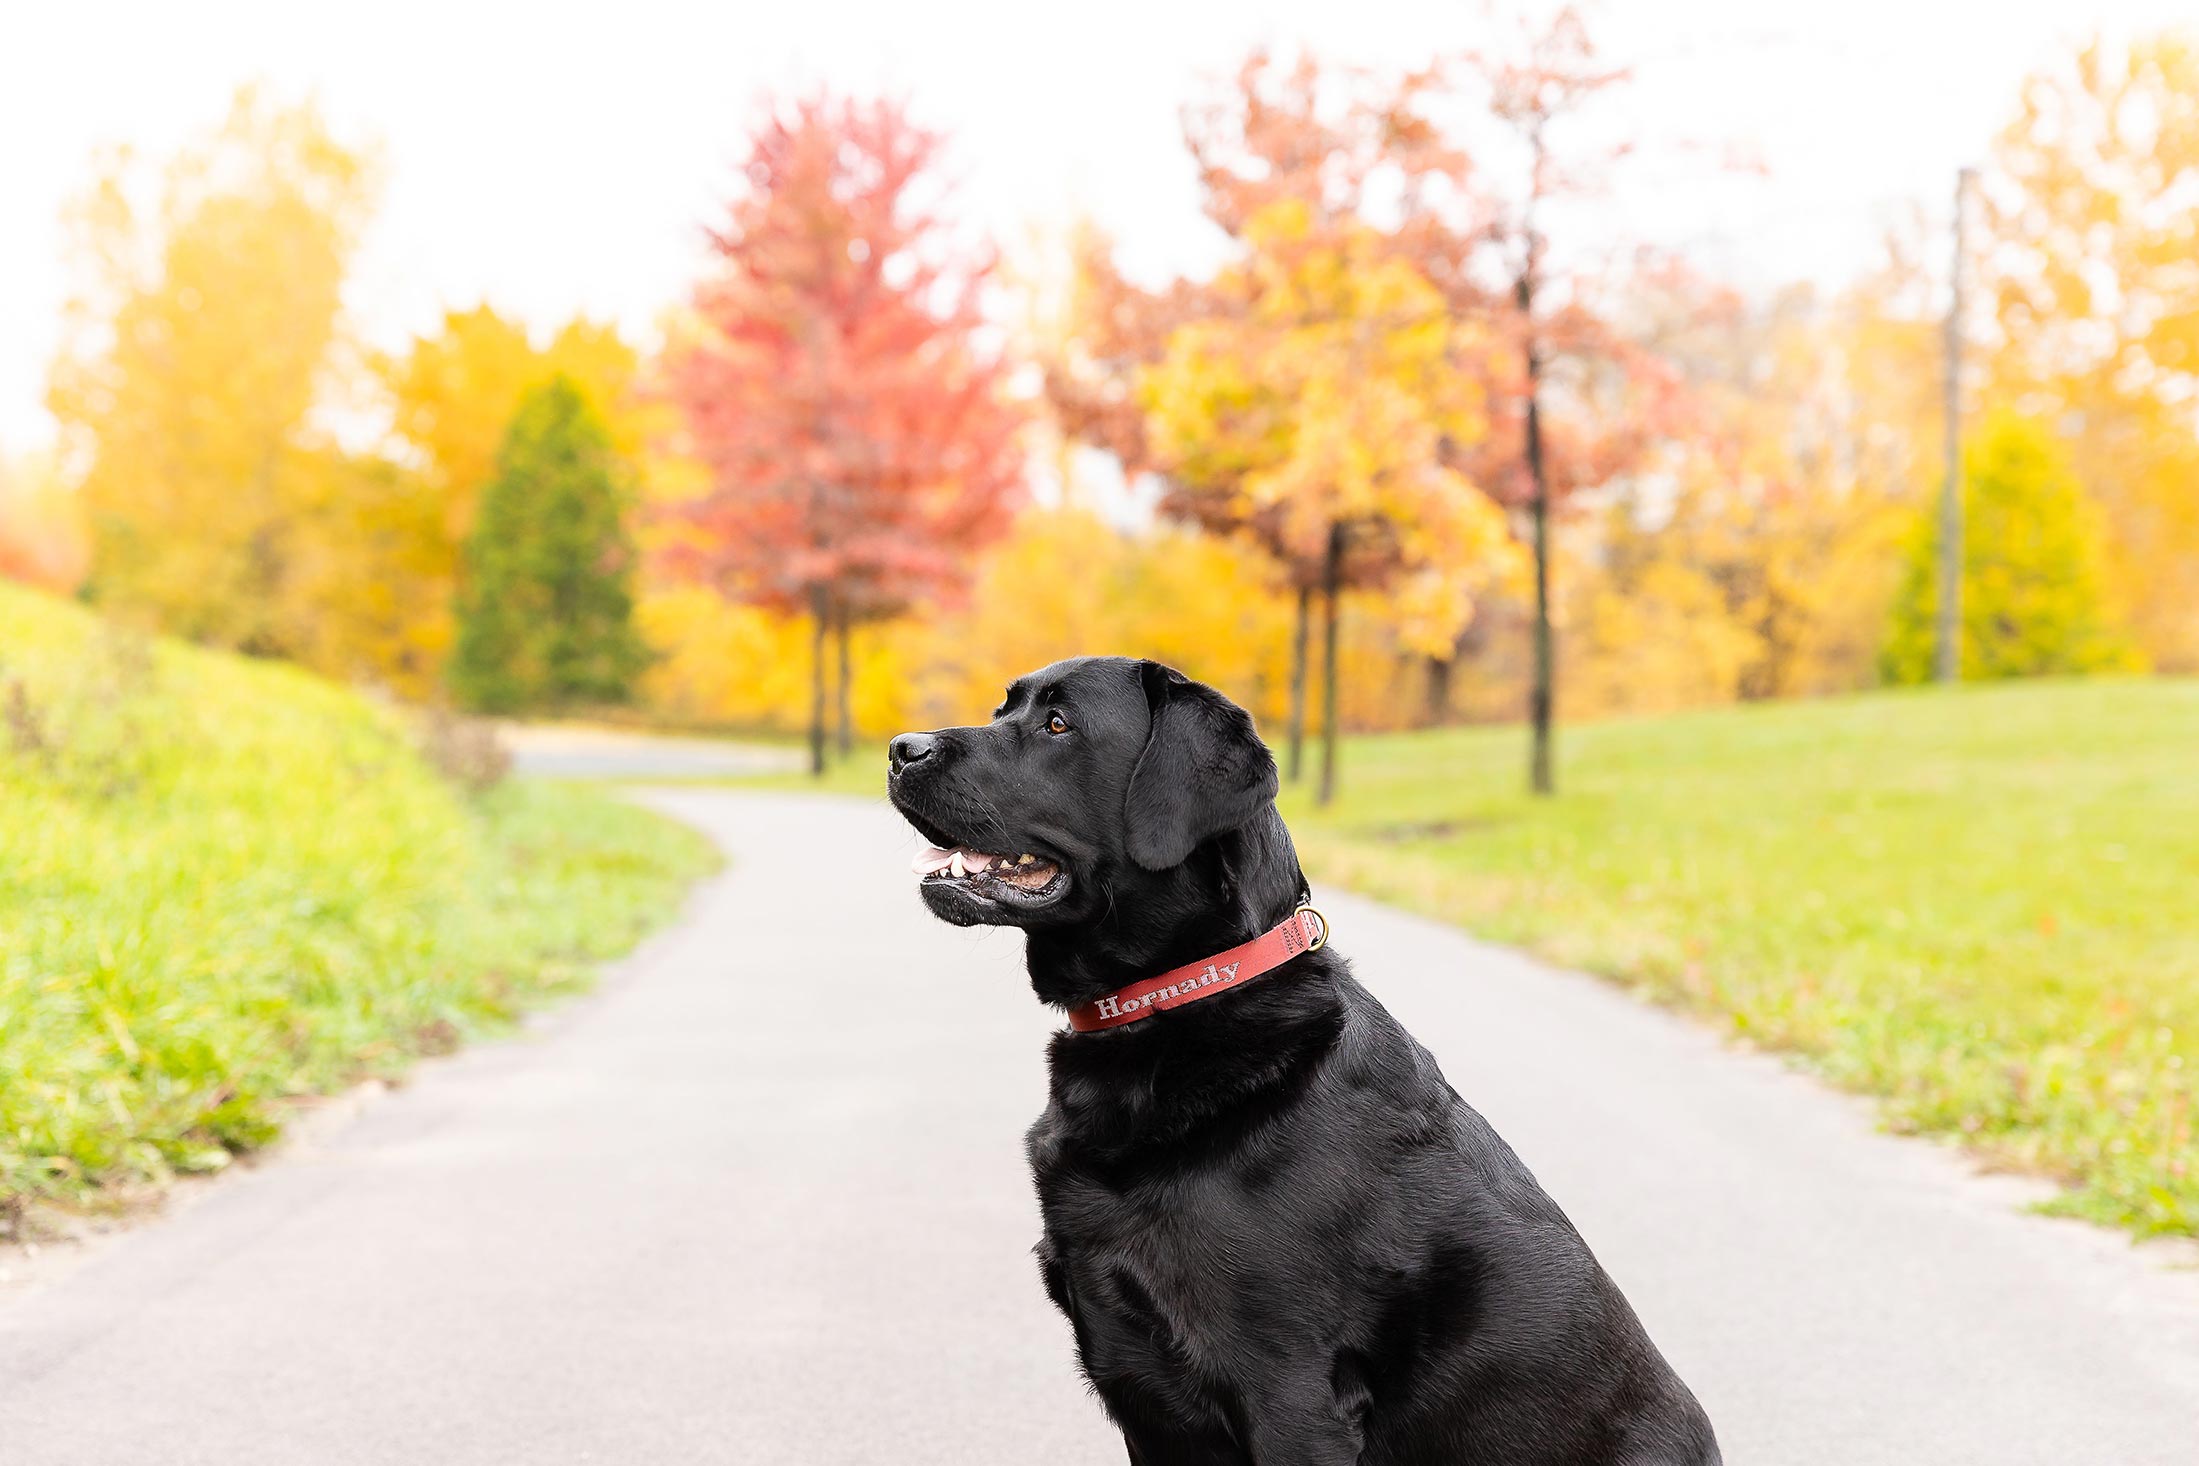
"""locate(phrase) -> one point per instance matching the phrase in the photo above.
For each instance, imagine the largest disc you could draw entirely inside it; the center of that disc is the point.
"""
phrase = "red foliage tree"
(837, 383)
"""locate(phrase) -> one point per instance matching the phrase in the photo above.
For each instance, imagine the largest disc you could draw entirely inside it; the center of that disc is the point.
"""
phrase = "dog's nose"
(908, 749)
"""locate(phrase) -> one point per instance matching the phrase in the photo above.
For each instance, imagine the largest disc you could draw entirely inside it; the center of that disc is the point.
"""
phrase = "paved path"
(761, 1200)
(585, 751)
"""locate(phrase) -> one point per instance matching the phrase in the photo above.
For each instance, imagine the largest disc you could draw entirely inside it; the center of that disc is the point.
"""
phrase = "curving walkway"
(761, 1199)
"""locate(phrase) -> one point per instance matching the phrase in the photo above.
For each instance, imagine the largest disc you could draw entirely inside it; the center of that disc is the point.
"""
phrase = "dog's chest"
(1156, 1284)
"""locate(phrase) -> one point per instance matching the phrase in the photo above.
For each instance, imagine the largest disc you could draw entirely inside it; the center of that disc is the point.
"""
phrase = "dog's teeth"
(957, 866)
(1025, 859)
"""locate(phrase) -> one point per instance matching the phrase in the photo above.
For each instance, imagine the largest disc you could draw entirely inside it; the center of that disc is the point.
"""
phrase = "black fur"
(1281, 1238)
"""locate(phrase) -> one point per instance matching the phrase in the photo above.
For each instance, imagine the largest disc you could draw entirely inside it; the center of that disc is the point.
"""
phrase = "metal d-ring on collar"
(1307, 908)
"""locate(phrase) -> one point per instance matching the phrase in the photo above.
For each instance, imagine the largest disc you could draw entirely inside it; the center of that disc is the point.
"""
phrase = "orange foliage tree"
(42, 538)
(1320, 408)
(1279, 143)
(836, 383)
(1276, 142)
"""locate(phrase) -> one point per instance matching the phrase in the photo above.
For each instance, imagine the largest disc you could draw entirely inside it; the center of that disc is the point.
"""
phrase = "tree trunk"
(845, 729)
(1541, 697)
(1298, 682)
(820, 613)
(1332, 576)
(1439, 691)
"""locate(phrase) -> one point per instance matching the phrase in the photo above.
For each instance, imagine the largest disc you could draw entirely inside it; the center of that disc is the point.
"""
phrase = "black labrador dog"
(1280, 1237)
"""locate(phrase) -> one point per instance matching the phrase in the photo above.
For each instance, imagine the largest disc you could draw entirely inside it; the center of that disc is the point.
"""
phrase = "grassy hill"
(225, 883)
(1981, 904)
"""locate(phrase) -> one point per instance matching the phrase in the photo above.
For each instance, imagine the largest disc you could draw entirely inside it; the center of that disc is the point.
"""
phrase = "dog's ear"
(1204, 770)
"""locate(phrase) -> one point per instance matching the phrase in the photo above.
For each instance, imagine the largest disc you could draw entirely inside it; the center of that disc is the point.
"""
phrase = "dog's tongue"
(931, 860)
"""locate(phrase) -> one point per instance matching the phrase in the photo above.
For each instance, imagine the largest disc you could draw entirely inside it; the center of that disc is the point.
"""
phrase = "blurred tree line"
(211, 397)
(1396, 397)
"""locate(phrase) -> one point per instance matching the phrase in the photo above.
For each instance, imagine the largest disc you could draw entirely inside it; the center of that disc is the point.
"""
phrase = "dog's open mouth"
(985, 873)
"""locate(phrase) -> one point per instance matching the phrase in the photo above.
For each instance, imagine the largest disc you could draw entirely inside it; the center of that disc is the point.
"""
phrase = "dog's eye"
(1057, 724)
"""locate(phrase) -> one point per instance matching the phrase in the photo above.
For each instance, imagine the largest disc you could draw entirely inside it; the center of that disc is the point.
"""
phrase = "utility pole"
(1947, 642)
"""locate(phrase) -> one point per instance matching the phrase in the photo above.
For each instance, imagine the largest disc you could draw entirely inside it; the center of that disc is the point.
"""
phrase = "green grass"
(225, 884)
(1980, 905)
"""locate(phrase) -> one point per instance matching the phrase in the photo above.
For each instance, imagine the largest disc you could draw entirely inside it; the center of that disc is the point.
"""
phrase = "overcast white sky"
(553, 158)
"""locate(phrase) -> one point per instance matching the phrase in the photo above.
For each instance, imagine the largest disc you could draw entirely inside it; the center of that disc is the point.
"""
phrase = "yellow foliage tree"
(363, 586)
(451, 396)
(722, 664)
(1063, 583)
(1755, 552)
(1322, 394)
(202, 341)
(1784, 508)
(2095, 209)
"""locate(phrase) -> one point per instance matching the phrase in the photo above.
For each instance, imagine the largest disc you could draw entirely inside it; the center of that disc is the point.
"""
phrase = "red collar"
(1304, 930)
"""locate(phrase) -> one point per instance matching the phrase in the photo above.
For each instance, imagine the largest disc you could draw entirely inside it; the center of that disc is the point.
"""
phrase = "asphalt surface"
(761, 1199)
(580, 751)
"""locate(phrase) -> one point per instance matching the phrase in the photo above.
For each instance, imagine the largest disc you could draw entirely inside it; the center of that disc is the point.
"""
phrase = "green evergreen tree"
(545, 609)
(2034, 600)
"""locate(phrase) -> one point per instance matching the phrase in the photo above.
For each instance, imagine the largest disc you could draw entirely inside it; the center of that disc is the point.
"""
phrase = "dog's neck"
(1124, 1091)
(1231, 889)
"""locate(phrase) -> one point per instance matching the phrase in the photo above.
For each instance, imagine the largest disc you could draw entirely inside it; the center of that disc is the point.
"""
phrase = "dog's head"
(1089, 793)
